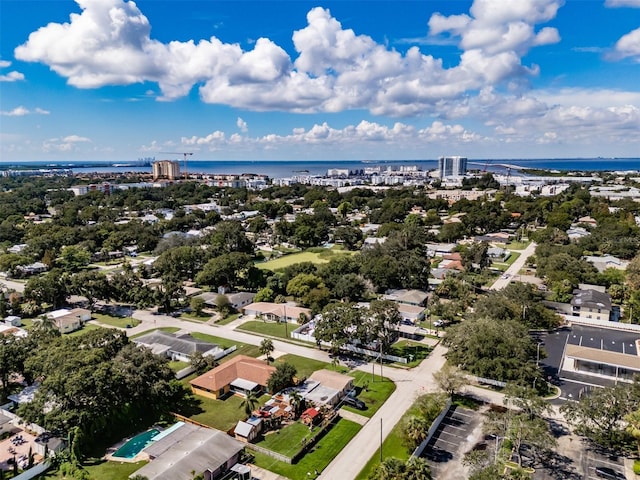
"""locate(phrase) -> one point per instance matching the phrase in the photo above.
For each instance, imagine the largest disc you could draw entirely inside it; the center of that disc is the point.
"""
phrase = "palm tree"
(249, 403)
(633, 426)
(297, 401)
(415, 431)
(267, 348)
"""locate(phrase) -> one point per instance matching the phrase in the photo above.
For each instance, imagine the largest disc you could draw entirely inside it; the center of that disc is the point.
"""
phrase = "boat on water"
(300, 171)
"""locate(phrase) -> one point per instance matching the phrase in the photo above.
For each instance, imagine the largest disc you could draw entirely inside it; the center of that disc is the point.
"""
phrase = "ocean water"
(286, 168)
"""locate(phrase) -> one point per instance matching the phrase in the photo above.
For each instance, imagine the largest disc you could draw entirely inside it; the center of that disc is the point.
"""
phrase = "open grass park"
(315, 256)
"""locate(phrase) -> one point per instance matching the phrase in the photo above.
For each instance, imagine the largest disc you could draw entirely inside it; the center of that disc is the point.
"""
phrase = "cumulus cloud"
(628, 46)
(336, 69)
(66, 144)
(13, 76)
(22, 111)
(242, 125)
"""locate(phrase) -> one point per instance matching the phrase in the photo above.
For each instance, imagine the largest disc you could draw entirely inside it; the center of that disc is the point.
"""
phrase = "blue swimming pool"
(136, 444)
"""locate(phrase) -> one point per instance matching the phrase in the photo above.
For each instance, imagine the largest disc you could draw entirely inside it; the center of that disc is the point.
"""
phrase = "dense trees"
(282, 377)
(99, 383)
(498, 349)
(600, 415)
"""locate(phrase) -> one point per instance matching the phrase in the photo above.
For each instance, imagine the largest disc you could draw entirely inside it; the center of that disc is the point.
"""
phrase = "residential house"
(240, 375)
(237, 300)
(497, 253)
(372, 242)
(591, 304)
(67, 321)
(32, 269)
(576, 233)
(188, 449)
(177, 347)
(277, 312)
(338, 381)
(408, 297)
(606, 261)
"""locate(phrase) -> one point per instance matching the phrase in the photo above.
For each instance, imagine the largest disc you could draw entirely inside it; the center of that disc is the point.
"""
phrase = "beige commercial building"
(167, 169)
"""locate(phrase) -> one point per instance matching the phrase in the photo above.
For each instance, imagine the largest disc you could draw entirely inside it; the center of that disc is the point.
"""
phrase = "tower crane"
(185, 154)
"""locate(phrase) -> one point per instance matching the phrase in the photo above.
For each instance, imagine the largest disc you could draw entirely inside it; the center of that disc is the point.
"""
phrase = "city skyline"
(299, 80)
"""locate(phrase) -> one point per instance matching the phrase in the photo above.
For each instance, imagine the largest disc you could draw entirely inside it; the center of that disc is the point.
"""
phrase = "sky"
(335, 80)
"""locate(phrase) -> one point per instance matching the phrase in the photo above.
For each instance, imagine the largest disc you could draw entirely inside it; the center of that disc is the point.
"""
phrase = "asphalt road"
(508, 276)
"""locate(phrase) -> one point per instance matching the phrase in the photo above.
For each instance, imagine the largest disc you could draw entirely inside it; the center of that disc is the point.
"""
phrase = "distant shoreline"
(288, 168)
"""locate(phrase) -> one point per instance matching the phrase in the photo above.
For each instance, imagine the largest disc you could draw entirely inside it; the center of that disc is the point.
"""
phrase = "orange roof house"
(239, 375)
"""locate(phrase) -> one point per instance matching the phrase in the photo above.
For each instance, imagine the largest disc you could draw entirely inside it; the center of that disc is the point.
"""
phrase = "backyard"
(318, 458)
(98, 469)
(222, 414)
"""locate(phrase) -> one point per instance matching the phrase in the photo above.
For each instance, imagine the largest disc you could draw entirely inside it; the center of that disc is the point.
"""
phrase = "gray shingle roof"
(591, 299)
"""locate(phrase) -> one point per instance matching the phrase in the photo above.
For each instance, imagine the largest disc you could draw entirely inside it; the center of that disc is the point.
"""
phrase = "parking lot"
(458, 433)
(573, 384)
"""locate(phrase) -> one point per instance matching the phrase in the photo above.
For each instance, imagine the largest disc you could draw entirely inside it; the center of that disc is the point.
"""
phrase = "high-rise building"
(452, 166)
(168, 169)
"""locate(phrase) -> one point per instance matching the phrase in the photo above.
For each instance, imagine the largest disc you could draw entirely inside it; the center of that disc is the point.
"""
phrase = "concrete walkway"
(353, 417)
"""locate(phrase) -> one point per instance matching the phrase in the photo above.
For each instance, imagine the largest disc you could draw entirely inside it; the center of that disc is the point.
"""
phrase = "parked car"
(609, 473)
(354, 402)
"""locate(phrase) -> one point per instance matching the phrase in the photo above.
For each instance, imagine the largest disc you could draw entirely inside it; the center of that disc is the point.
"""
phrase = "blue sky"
(300, 80)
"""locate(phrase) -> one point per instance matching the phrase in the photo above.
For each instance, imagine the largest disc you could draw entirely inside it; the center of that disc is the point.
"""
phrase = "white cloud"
(242, 125)
(16, 112)
(336, 69)
(622, 3)
(41, 111)
(628, 46)
(75, 139)
(12, 77)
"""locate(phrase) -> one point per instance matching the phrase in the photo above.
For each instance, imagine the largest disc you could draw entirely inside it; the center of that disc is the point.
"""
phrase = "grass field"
(243, 348)
(228, 319)
(292, 259)
(205, 317)
(99, 470)
(411, 350)
(85, 328)
(306, 366)
(287, 440)
(119, 322)
(372, 392)
(177, 365)
(272, 329)
(318, 458)
(222, 414)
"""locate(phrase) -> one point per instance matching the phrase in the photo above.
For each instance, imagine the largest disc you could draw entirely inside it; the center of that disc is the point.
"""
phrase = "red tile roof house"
(239, 375)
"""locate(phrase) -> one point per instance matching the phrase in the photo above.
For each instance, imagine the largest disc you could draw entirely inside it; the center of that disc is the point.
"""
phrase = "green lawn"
(99, 470)
(293, 258)
(306, 366)
(177, 365)
(318, 458)
(517, 245)
(287, 440)
(228, 319)
(243, 348)
(85, 328)
(164, 329)
(504, 265)
(272, 329)
(372, 392)
(205, 317)
(119, 322)
(222, 414)
(408, 349)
